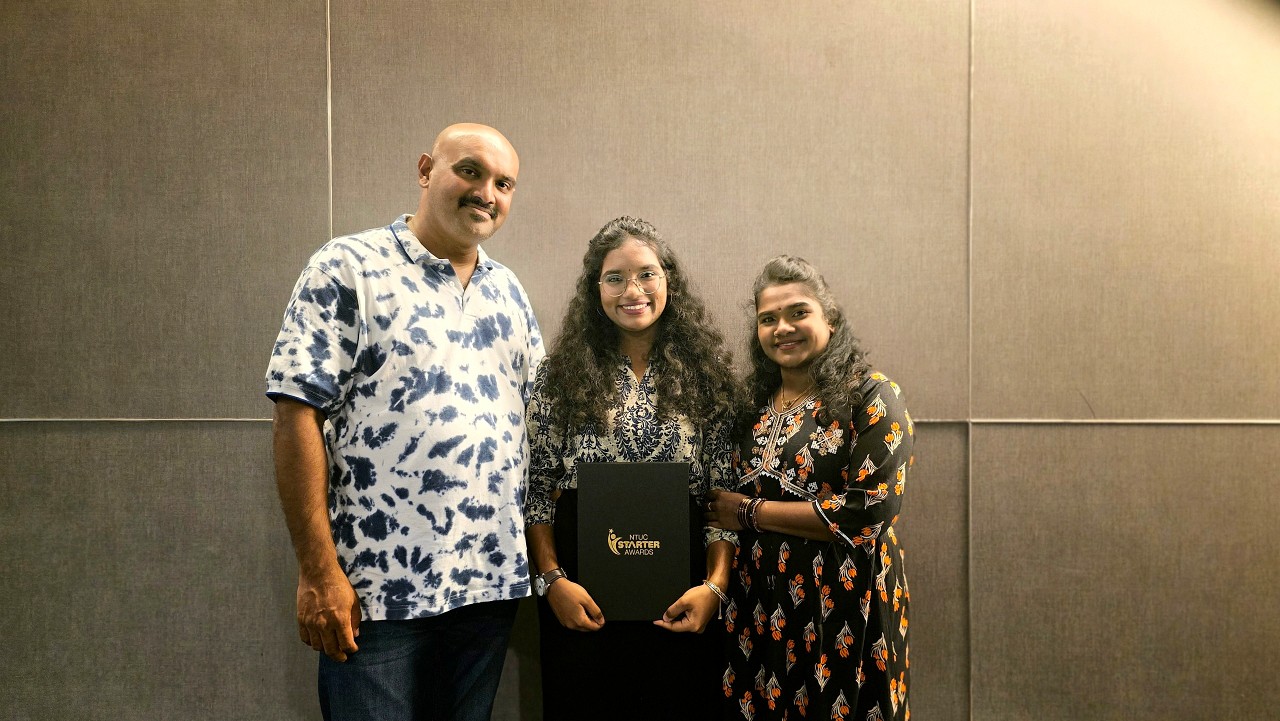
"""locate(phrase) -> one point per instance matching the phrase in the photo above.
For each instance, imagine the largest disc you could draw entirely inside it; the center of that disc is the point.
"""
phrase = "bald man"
(400, 378)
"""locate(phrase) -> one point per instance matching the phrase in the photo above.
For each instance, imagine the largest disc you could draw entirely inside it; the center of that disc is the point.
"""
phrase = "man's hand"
(328, 614)
(691, 612)
(328, 611)
(574, 607)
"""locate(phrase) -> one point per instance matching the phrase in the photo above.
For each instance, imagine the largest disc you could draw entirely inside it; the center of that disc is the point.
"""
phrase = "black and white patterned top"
(633, 434)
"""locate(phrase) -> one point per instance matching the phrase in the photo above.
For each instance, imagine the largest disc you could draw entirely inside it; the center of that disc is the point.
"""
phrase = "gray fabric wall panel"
(934, 528)
(166, 177)
(740, 131)
(150, 575)
(161, 161)
(174, 596)
(1125, 164)
(1125, 572)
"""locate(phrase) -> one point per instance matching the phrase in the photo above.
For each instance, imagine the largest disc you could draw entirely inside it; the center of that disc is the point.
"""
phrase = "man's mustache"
(479, 205)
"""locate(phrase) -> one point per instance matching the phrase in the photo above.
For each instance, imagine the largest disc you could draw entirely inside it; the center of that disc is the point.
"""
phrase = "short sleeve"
(717, 460)
(319, 341)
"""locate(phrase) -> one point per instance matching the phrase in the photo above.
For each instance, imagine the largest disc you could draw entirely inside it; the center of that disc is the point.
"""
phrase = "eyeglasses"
(648, 282)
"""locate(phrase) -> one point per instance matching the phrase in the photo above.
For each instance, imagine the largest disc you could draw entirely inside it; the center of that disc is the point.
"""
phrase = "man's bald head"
(467, 184)
(452, 135)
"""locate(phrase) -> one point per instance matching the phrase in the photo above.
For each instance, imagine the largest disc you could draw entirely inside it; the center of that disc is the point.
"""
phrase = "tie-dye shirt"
(424, 385)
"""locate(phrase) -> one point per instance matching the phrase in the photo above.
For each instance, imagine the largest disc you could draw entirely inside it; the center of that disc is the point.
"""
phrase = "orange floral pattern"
(827, 636)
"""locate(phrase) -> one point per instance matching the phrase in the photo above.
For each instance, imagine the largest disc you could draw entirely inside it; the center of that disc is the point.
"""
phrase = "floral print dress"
(818, 629)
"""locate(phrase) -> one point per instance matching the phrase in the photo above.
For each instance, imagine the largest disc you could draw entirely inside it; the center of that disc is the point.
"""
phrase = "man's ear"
(424, 169)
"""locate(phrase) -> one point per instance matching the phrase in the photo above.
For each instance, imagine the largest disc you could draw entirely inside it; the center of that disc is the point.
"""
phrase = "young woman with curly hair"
(817, 619)
(637, 374)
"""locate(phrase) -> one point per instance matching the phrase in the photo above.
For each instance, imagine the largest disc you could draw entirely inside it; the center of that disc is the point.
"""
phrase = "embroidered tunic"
(818, 629)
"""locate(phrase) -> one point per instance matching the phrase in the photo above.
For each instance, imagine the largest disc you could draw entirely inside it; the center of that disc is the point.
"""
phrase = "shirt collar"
(624, 365)
(418, 253)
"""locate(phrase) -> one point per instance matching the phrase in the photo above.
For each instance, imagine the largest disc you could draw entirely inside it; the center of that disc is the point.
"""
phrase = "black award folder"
(634, 537)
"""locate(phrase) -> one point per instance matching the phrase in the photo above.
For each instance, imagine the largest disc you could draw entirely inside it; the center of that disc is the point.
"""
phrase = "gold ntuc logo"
(635, 544)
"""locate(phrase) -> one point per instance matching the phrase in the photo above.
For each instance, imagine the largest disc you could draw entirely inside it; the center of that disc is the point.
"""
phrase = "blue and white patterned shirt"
(424, 385)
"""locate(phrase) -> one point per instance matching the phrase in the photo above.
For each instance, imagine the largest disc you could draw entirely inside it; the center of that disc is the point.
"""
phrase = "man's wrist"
(320, 566)
(543, 581)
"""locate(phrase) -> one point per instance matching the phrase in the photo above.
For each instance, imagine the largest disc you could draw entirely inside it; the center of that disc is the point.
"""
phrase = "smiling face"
(790, 325)
(467, 185)
(634, 312)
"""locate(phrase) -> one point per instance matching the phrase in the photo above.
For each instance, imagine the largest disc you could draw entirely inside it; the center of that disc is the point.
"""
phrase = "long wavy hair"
(689, 360)
(837, 372)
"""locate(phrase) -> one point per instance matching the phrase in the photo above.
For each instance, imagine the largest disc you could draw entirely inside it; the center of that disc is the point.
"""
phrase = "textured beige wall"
(1037, 213)
(1125, 258)
(155, 155)
(1126, 218)
(741, 130)
(1125, 572)
(149, 575)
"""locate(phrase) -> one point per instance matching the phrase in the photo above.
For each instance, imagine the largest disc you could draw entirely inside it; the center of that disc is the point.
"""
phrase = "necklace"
(786, 404)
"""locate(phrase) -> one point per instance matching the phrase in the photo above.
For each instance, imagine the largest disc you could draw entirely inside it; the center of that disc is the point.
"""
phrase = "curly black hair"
(837, 372)
(691, 366)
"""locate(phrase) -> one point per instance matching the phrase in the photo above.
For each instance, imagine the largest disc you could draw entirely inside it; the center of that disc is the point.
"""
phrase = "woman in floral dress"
(817, 619)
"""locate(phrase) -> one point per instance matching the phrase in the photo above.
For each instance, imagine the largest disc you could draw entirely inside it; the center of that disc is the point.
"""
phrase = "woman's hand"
(721, 510)
(574, 607)
(691, 612)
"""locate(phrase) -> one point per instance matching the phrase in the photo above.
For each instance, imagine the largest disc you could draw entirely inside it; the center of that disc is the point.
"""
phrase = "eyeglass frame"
(626, 283)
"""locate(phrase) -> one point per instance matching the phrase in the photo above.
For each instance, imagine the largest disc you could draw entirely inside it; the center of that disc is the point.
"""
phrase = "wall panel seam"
(135, 420)
(969, 422)
(968, 440)
(1125, 421)
(328, 99)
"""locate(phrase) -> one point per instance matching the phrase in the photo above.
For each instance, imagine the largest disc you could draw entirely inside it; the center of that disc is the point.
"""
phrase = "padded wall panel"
(165, 177)
(1125, 164)
(151, 573)
(157, 579)
(934, 528)
(1125, 572)
(741, 130)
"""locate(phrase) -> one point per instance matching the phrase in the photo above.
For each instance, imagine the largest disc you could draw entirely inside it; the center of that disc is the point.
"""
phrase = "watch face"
(539, 586)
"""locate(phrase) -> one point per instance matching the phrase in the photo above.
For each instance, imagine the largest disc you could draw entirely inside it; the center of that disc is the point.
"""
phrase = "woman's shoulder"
(544, 367)
(873, 379)
(876, 389)
(558, 369)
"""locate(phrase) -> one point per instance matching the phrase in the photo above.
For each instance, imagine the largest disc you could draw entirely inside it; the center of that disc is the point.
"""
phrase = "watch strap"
(544, 580)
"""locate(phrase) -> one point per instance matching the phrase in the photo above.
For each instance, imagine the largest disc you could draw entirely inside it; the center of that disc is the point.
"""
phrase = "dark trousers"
(442, 668)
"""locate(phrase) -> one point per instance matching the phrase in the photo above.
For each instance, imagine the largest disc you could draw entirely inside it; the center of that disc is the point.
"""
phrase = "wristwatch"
(543, 581)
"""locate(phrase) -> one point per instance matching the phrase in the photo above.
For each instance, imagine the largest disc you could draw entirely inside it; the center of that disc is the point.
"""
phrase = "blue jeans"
(441, 668)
